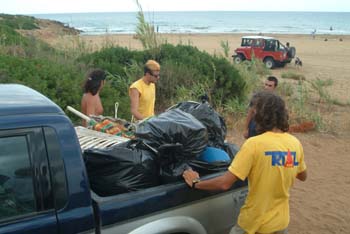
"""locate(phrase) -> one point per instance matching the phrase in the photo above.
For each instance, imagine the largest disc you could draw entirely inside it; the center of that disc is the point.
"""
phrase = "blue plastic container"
(212, 154)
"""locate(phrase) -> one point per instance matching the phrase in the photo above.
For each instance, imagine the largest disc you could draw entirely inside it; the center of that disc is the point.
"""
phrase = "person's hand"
(189, 175)
(246, 134)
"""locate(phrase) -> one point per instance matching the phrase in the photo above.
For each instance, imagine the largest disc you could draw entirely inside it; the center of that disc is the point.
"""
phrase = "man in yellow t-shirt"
(271, 161)
(142, 92)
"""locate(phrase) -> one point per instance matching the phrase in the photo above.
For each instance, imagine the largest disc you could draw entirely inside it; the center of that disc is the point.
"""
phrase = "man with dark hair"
(143, 92)
(271, 161)
(270, 84)
(91, 103)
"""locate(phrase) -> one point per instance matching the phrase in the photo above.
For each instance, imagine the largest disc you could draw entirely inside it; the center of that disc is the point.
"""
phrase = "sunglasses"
(268, 85)
(156, 76)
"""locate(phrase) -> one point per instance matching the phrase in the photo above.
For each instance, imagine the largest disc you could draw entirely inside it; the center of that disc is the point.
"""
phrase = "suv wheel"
(269, 63)
(291, 52)
(238, 59)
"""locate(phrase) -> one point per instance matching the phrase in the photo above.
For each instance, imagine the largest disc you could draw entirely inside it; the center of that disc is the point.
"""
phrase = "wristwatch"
(194, 182)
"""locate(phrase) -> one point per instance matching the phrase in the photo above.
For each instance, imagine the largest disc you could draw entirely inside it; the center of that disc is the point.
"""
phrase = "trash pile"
(187, 135)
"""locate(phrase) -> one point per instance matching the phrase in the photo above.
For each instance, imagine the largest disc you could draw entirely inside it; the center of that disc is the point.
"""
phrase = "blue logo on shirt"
(283, 158)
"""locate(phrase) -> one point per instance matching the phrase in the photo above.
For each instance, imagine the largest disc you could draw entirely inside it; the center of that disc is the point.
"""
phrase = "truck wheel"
(291, 52)
(269, 63)
(238, 59)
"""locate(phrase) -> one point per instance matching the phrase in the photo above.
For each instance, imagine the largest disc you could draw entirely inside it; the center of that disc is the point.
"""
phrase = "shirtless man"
(91, 103)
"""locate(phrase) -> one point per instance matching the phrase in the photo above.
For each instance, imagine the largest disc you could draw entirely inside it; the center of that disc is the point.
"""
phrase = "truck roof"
(18, 99)
(258, 37)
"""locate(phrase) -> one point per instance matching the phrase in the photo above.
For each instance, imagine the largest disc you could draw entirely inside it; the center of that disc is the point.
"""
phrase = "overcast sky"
(72, 6)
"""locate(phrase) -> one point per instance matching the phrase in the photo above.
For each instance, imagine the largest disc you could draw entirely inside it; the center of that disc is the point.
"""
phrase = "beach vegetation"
(292, 75)
(285, 89)
(19, 21)
(182, 65)
(320, 87)
(236, 107)
(147, 34)
(8, 36)
(226, 48)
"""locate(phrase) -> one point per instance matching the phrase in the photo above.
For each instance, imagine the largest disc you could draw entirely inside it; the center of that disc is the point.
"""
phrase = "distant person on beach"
(313, 33)
(271, 161)
(91, 103)
(288, 48)
(331, 28)
(143, 92)
(287, 45)
(270, 85)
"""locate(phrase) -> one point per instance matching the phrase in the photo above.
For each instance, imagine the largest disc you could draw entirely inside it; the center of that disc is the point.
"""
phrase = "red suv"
(272, 52)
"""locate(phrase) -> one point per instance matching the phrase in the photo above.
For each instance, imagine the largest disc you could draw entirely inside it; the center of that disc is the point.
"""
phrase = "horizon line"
(161, 11)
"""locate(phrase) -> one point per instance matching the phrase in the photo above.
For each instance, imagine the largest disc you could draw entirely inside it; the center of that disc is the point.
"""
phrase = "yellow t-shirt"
(271, 162)
(147, 97)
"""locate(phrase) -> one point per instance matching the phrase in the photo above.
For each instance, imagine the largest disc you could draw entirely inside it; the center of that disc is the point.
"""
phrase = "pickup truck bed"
(212, 210)
(149, 202)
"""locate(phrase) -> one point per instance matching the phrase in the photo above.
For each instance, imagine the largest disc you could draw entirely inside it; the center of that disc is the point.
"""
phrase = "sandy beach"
(321, 204)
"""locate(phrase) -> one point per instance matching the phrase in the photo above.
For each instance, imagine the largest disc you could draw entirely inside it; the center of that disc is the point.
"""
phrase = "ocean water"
(210, 22)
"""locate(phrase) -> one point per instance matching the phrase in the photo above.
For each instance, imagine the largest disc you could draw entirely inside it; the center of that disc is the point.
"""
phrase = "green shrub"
(216, 73)
(8, 36)
(292, 75)
(319, 86)
(285, 89)
(114, 59)
(19, 21)
(226, 48)
(181, 65)
(59, 82)
(236, 107)
(13, 43)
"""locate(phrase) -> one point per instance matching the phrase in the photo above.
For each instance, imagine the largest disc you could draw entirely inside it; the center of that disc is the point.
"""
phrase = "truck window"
(17, 195)
(257, 43)
(246, 42)
(270, 45)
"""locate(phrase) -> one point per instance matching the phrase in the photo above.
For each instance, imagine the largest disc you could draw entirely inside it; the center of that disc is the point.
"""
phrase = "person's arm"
(302, 175)
(249, 117)
(223, 182)
(134, 103)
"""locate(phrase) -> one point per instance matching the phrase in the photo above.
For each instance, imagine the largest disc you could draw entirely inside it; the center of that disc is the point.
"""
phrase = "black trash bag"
(121, 169)
(170, 173)
(173, 172)
(171, 163)
(174, 127)
(172, 166)
(211, 119)
(205, 168)
(231, 149)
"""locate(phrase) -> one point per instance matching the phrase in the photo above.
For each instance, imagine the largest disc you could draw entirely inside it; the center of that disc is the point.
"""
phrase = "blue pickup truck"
(44, 186)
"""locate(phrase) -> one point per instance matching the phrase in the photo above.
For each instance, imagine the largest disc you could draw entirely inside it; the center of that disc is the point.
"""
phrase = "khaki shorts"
(238, 230)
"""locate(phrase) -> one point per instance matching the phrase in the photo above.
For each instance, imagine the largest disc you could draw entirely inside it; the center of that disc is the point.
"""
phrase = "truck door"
(257, 48)
(26, 204)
